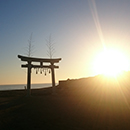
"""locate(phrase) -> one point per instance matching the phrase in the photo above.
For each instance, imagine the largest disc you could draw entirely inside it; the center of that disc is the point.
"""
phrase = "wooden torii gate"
(29, 66)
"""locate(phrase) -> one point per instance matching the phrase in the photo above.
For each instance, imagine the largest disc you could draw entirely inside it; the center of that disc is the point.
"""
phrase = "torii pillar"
(29, 79)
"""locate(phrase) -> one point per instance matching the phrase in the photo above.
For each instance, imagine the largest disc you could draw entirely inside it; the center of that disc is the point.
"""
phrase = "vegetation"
(30, 47)
(82, 104)
(50, 46)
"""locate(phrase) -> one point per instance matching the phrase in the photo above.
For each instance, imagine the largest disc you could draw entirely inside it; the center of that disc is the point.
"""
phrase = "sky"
(79, 28)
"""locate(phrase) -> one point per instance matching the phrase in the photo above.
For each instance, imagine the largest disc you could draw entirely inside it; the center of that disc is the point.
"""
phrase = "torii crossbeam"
(29, 66)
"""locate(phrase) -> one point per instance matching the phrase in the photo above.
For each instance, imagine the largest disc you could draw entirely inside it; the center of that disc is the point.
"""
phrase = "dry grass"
(81, 105)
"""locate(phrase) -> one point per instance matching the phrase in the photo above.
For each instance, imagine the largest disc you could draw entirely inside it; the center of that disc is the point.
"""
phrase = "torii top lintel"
(32, 59)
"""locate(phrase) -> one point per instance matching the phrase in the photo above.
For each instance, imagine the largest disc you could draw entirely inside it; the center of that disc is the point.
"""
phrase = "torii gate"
(29, 66)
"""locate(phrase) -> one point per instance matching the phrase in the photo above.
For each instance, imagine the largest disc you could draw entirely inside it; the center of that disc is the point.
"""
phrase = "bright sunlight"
(111, 63)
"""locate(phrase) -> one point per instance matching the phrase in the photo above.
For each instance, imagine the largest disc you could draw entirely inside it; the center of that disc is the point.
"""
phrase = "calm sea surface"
(22, 86)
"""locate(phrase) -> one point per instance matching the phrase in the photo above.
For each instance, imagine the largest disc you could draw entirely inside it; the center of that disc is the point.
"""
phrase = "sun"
(110, 63)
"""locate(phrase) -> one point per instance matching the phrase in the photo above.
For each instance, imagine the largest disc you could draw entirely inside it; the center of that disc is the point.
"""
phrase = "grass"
(79, 106)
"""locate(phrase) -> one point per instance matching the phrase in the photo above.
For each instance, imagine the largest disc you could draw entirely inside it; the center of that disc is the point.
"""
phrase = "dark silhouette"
(85, 104)
(29, 66)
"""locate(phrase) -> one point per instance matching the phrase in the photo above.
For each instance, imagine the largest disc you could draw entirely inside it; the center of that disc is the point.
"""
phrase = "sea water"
(22, 86)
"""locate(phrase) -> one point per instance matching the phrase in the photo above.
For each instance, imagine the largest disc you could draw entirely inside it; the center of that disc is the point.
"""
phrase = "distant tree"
(50, 44)
(30, 47)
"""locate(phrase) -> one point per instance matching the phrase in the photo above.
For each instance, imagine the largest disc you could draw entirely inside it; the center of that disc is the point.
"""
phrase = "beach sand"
(66, 109)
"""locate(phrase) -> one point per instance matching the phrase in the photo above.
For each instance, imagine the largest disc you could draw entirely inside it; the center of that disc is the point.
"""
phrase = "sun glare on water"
(110, 63)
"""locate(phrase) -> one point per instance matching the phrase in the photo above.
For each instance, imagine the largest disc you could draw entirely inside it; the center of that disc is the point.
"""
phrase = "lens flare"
(111, 63)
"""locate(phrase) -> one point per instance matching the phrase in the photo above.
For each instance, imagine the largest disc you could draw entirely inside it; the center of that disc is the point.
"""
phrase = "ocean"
(22, 86)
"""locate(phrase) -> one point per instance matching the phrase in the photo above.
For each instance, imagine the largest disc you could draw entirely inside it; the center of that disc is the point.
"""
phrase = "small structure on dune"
(41, 66)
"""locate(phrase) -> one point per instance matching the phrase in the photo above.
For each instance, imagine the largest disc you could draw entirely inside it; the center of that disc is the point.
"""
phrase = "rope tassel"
(45, 73)
(41, 71)
(36, 71)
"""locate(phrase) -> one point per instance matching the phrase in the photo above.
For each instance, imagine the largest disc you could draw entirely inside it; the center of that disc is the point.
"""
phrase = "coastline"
(22, 86)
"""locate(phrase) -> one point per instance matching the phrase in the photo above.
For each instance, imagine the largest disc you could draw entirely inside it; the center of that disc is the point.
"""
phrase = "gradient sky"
(80, 29)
